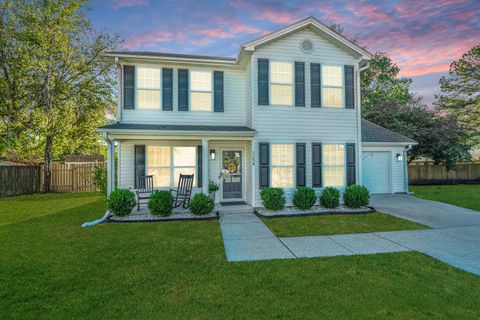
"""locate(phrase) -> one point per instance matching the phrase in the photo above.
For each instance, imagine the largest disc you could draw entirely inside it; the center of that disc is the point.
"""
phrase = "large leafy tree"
(461, 92)
(67, 84)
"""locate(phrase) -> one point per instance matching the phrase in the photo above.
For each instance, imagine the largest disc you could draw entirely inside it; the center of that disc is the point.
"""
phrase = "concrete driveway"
(430, 213)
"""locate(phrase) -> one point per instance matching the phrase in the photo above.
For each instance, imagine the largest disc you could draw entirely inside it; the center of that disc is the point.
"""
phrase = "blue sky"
(423, 37)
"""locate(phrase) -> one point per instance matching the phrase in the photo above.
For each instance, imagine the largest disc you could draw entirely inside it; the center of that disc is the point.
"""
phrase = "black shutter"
(264, 164)
(167, 89)
(301, 164)
(350, 163)
(182, 90)
(218, 91)
(299, 84)
(317, 165)
(263, 82)
(128, 87)
(349, 88)
(139, 162)
(199, 166)
(315, 85)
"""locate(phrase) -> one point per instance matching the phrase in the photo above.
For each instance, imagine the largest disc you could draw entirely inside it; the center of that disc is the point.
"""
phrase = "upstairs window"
(282, 165)
(148, 88)
(281, 79)
(332, 86)
(334, 165)
(201, 90)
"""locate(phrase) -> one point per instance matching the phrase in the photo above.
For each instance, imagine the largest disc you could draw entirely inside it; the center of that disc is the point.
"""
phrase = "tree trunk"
(47, 157)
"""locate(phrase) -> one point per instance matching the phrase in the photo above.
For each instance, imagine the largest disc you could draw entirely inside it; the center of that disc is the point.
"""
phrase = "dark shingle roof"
(170, 55)
(174, 127)
(372, 132)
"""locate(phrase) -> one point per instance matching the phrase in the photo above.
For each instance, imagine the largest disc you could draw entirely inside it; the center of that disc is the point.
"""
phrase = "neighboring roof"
(173, 127)
(372, 132)
(310, 22)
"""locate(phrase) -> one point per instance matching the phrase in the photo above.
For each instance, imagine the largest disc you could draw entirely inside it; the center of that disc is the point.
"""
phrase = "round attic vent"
(306, 46)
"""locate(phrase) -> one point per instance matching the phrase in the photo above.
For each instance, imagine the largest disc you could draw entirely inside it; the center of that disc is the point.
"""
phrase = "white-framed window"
(282, 165)
(332, 86)
(200, 90)
(334, 165)
(281, 83)
(148, 87)
(166, 163)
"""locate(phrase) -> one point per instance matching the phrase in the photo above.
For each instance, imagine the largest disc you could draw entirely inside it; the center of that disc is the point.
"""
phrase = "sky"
(422, 37)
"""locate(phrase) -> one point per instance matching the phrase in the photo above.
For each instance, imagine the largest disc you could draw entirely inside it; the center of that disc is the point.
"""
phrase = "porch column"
(110, 164)
(205, 163)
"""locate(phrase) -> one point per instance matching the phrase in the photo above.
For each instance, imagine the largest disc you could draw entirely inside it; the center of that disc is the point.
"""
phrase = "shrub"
(212, 186)
(356, 196)
(304, 198)
(273, 198)
(100, 179)
(201, 204)
(330, 198)
(161, 203)
(121, 202)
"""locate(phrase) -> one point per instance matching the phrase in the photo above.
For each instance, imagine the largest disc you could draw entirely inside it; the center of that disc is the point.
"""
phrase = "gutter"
(107, 213)
(405, 167)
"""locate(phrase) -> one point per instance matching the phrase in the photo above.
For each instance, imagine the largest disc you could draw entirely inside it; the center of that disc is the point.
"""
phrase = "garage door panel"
(376, 171)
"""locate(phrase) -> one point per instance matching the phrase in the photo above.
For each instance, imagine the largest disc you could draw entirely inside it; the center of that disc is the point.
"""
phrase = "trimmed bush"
(330, 198)
(304, 198)
(201, 204)
(100, 179)
(356, 196)
(121, 202)
(161, 203)
(212, 186)
(273, 198)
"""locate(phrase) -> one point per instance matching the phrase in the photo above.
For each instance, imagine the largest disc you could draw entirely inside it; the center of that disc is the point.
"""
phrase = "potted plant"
(212, 189)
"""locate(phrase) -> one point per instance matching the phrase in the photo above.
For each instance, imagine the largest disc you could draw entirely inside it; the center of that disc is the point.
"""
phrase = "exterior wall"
(397, 167)
(290, 124)
(248, 94)
(234, 97)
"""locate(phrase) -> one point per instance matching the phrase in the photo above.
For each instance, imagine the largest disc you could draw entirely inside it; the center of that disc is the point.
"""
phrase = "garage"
(376, 171)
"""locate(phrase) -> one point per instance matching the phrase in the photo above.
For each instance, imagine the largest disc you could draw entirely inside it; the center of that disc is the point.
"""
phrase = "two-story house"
(284, 113)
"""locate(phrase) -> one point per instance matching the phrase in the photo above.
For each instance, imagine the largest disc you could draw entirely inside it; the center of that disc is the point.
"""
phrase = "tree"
(69, 81)
(461, 92)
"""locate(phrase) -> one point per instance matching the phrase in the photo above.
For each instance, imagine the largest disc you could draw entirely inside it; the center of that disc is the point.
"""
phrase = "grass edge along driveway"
(462, 195)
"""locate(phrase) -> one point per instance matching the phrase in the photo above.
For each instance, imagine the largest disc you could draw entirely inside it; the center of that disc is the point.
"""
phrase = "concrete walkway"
(453, 239)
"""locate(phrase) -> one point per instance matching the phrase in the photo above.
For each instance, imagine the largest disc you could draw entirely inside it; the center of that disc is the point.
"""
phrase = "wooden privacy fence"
(16, 180)
(426, 172)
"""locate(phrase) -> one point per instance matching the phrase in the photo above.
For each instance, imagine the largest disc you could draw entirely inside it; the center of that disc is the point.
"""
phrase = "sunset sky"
(422, 37)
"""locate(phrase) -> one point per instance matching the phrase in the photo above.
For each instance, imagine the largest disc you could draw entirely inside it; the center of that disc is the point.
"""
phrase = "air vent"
(306, 46)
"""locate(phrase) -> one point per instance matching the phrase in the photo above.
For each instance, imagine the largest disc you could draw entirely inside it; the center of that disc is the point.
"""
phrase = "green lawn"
(338, 224)
(51, 268)
(462, 195)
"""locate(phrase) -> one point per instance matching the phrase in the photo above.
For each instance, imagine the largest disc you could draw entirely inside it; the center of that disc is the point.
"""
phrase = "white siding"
(290, 124)
(248, 94)
(397, 167)
(234, 103)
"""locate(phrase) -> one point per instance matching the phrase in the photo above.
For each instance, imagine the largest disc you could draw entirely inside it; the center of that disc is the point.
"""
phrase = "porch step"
(239, 209)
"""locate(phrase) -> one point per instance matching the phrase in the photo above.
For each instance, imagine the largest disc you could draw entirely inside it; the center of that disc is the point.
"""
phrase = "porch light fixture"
(399, 157)
(212, 154)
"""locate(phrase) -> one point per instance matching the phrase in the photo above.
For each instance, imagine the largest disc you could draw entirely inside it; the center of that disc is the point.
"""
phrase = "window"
(282, 165)
(332, 86)
(148, 88)
(201, 90)
(334, 165)
(166, 163)
(281, 83)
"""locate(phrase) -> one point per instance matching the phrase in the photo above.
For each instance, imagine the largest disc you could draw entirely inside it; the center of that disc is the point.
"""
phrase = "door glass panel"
(232, 174)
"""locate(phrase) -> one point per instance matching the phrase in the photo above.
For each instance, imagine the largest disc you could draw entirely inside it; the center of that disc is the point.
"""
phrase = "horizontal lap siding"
(287, 124)
(234, 108)
(248, 95)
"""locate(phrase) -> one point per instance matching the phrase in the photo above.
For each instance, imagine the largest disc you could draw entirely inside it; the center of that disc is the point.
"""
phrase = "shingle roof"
(171, 55)
(372, 132)
(174, 127)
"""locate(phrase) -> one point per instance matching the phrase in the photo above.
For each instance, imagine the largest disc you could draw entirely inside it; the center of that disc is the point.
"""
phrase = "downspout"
(110, 186)
(405, 167)
(359, 122)
(119, 89)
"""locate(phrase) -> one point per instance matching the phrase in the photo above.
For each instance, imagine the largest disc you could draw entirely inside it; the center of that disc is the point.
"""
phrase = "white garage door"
(376, 171)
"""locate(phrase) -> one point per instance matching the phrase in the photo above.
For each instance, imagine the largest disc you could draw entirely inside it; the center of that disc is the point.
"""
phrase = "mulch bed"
(314, 211)
(175, 216)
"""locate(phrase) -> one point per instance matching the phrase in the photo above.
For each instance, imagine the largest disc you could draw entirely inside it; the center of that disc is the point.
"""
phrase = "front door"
(232, 174)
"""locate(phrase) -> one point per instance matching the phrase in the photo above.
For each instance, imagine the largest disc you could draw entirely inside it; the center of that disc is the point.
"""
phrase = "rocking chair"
(144, 189)
(184, 191)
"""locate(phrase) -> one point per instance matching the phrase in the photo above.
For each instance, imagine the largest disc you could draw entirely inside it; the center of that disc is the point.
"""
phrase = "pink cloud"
(149, 38)
(215, 33)
(276, 17)
(245, 28)
(129, 3)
